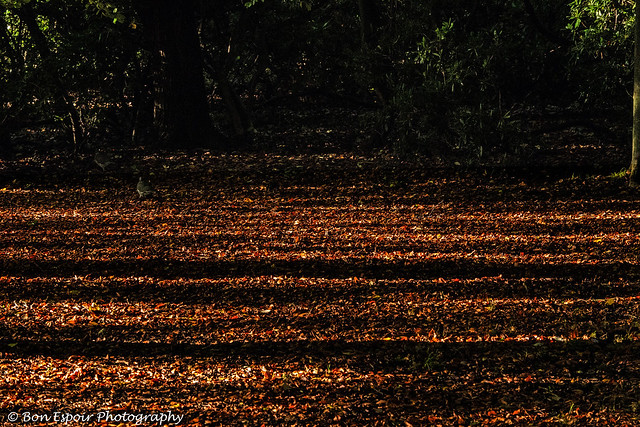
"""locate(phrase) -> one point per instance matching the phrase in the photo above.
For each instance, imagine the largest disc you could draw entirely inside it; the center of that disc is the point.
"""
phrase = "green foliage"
(459, 72)
(621, 174)
(252, 3)
(109, 10)
(450, 84)
(602, 50)
(13, 4)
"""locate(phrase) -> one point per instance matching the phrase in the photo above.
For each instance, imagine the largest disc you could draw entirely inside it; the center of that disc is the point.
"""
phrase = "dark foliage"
(439, 77)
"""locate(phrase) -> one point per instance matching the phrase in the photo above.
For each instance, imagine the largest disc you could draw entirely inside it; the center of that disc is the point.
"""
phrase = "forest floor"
(322, 289)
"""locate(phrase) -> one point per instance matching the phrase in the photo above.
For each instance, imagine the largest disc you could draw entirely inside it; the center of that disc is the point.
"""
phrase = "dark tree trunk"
(181, 108)
(370, 28)
(242, 124)
(369, 21)
(634, 178)
(143, 129)
(219, 69)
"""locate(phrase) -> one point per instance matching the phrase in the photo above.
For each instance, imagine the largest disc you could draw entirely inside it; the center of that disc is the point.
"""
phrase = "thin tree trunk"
(142, 123)
(634, 177)
(28, 16)
(370, 23)
(240, 117)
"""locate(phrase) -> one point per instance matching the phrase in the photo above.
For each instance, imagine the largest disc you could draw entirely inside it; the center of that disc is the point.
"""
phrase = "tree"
(634, 178)
(181, 109)
(370, 28)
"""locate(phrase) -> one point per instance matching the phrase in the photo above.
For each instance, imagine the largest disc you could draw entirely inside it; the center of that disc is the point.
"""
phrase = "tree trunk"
(370, 27)
(142, 122)
(369, 21)
(634, 177)
(242, 124)
(182, 111)
(219, 69)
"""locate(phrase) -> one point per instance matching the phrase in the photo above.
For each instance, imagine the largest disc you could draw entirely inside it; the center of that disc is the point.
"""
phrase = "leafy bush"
(466, 69)
(601, 56)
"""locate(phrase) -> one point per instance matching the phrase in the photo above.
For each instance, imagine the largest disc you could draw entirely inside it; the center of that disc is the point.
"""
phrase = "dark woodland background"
(445, 79)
